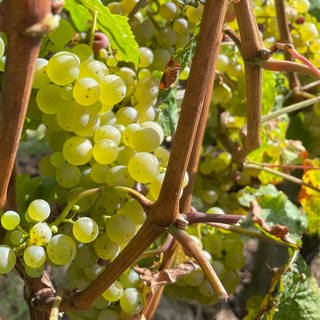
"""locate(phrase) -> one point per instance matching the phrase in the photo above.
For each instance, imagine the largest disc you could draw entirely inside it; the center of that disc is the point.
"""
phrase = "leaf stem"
(93, 27)
(54, 313)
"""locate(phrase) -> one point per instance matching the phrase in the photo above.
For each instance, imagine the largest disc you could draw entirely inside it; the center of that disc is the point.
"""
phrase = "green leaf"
(253, 307)
(116, 27)
(299, 296)
(315, 8)
(269, 91)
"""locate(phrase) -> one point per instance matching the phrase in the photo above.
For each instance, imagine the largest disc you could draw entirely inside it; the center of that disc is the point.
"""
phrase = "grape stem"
(288, 177)
(54, 314)
(144, 201)
(289, 109)
(93, 27)
(252, 234)
(63, 215)
(194, 251)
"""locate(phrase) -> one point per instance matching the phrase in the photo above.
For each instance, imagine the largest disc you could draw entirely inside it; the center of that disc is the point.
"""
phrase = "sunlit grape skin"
(7, 259)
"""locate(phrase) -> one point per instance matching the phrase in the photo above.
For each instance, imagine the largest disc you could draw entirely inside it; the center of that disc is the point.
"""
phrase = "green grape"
(214, 244)
(309, 32)
(73, 116)
(93, 69)
(105, 151)
(49, 99)
(85, 256)
(108, 314)
(91, 127)
(131, 301)
(168, 10)
(180, 25)
(143, 167)
(234, 260)
(147, 91)
(2, 47)
(113, 90)
(215, 210)
(144, 31)
(112, 200)
(163, 155)
(125, 154)
(129, 78)
(63, 34)
(57, 159)
(302, 6)
(146, 57)
(194, 278)
(66, 93)
(166, 37)
(63, 68)
(155, 185)
(39, 210)
(34, 256)
(155, 126)
(40, 78)
(93, 271)
(206, 289)
(145, 112)
(119, 176)
(98, 172)
(107, 132)
(126, 115)
(183, 39)
(134, 211)
(56, 139)
(77, 150)
(219, 268)
(184, 74)
(128, 133)
(120, 229)
(230, 280)
(209, 196)
(145, 140)
(144, 74)
(61, 249)
(85, 230)
(86, 91)
(160, 59)
(40, 234)
(129, 279)
(194, 14)
(10, 220)
(16, 237)
(116, 8)
(7, 259)
(114, 292)
(83, 52)
(68, 175)
(2, 63)
(222, 62)
(34, 272)
(105, 248)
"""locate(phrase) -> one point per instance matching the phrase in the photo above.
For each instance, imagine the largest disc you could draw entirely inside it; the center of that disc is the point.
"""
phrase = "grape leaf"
(315, 8)
(310, 199)
(116, 27)
(269, 91)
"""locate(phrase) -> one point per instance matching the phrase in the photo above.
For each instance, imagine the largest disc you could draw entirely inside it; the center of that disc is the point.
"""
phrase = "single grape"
(126, 115)
(7, 259)
(83, 52)
(168, 10)
(40, 234)
(2, 47)
(120, 229)
(155, 185)
(39, 210)
(77, 150)
(119, 176)
(134, 211)
(34, 272)
(180, 25)
(16, 237)
(10, 220)
(105, 151)
(63, 34)
(49, 99)
(145, 140)
(85, 256)
(34, 256)
(85, 230)
(40, 78)
(68, 175)
(130, 279)
(86, 91)
(105, 248)
(194, 278)
(131, 301)
(114, 292)
(61, 249)
(93, 69)
(146, 57)
(107, 132)
(113, 90)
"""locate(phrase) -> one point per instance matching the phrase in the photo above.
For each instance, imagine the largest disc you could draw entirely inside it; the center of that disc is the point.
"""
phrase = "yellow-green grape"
(40, 234)
(105, 248)
(155, 126)
(2, 63)
(146, 91)
(206, 288)
(34, 256)
(114, 292)
(113, 90)
(63, 68)
(107, 132)
(144, 73)
(86, 91)
(180, 25)
(116, 8)
(182, 40)
(126, 115)
(66, 93)
(146, 57)
(230, 280)
(108, 314)
(45, 166)
(63, 34)
(131, 301)
(134, 211)
(83, 52)
(16, 237)
(92, 125)
(144, 31)
(222, 62)
(125, 154)
(68, 175)
(302, 6)
(184, 75)
(2, 47)
(34, 272)
(73, 116)
(120, 229)
(49, 99)
(98, 172)
(215, 210)
(128, 133)
(143, 167)
(155, 185)
(309, 32)
(166, 37)
(315, 46)
(105, 151)
(61, 249)
(10, 220)
(7, 259)
(194, 278)
(160, 59)
(107, 117)
(163, 155)
(40, 78)
(119, 176)
(130, 279)
(93, 69)
(168, 10)
(129, 78)
(57, 159)
(209, 196)
(85, 230)
(194, 14)
(39, 210)
(145, 112)
(77, 150)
